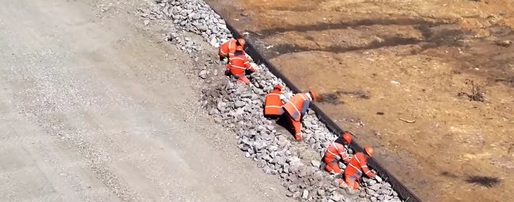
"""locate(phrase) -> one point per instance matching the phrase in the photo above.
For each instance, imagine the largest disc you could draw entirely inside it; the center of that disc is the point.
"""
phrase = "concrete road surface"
(93, 109)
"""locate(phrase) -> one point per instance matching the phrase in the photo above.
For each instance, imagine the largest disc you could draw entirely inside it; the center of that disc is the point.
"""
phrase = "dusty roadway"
(383, 60)
(94, 109)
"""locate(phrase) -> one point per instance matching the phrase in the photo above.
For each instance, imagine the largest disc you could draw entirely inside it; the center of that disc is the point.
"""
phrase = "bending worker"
(274, 101)
(337, 152)
(357, 167)
(295, 109)
(238, 65)
(228, 48)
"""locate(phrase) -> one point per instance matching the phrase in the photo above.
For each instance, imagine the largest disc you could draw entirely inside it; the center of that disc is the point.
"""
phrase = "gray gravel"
(239, 109)
(93, 110)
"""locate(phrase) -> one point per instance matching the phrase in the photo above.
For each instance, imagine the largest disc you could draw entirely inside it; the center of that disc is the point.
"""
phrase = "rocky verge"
(239, 108)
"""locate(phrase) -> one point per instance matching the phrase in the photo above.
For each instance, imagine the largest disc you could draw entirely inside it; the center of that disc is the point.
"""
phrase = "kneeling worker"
(228, 48)
(336, 152)
(239, 65)
(274, 101)
(357, 167)
(295, 108)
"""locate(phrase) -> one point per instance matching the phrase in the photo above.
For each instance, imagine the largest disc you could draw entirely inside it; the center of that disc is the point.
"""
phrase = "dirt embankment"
(429, 83)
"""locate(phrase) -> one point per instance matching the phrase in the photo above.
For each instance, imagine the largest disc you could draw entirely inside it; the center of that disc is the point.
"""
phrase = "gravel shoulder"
(93, 109)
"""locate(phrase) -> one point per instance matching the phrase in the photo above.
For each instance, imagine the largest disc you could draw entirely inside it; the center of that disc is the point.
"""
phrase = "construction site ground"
(429, 83)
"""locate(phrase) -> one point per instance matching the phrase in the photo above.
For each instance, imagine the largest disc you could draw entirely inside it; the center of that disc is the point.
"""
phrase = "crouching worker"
(273, 102)
(228, 48)
(295, 108)
(357, 167)
(239, 66)
(337, 152)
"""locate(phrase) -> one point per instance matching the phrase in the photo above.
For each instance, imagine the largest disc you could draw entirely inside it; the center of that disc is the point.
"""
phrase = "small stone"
(239, 104)
(375, 187)
(203, 74)
(146, 22)
(267, 169)
(336, 196)
(321, 192)
(378, 179)
(292, 188)
(305, 194)
(371, 182)
(213, 111)
(315, 163)
(289, 194)
(297, 194)
(246, 95)
(371, 192)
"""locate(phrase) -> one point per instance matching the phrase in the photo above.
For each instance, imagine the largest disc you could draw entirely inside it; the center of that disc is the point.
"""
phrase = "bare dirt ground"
(95, 109)
(429, 83)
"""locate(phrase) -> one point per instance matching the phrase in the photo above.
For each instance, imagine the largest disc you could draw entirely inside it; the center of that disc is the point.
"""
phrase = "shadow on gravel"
(284, 123)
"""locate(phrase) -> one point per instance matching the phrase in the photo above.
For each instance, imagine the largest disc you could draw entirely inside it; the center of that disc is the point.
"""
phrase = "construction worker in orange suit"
(337, 152)
(295, 109)
(238, 66)
(274, 101)
(228, 48)
(357, 167)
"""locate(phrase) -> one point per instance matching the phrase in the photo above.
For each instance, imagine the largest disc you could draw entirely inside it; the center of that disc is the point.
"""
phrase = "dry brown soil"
(383, 64)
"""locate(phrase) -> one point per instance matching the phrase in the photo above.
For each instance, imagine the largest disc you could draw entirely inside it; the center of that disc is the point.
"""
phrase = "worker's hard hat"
(277, 86)
(241, 41)
(369, 150)
(347, 137)
(314, 95)
(239, 48)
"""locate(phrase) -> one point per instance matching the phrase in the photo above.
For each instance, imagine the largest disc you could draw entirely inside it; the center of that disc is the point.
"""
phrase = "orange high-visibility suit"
(228, 48)
(295, 108)
(238, 65)
(273, 103)
(334, 153)
(353, 172)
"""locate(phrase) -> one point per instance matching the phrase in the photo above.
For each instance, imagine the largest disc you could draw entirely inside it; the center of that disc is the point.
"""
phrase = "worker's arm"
(248, 66)
(344, 157)
(283, 98)
(365, 169)
(305, 106)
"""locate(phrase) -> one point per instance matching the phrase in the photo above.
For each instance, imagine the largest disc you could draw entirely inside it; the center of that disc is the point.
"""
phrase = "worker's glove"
(225, 59)
(289, 95)
(283, 98)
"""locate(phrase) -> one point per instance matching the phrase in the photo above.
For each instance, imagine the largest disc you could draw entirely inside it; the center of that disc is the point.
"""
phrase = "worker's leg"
(335, 168)
(297, 128)
(351, 181)
(328, 161)
(243, 79)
